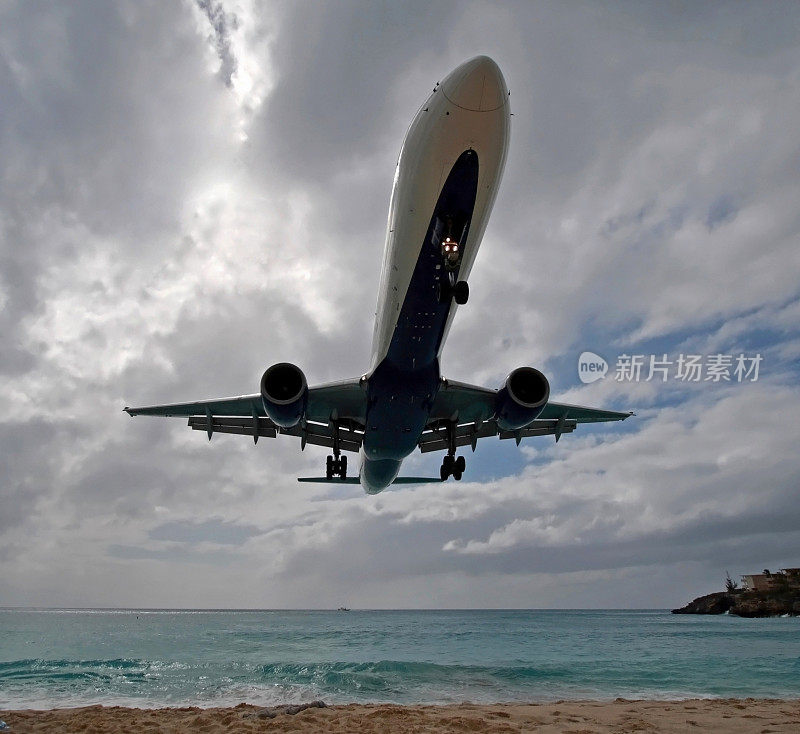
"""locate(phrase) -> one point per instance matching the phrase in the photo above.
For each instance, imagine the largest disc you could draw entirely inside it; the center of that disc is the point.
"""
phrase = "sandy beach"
(576, 717)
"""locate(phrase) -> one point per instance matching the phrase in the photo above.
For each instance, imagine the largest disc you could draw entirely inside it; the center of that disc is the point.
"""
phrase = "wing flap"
(261, 427)
(540, 428)
(313, 433)
(321, 434)
(435, 439)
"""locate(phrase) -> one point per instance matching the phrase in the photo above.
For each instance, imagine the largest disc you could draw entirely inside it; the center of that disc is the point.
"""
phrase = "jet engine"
(522, 398)
(284, 391)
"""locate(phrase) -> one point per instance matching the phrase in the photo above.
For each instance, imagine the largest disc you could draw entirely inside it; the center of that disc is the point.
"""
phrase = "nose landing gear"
(450, 251)
(458, 291)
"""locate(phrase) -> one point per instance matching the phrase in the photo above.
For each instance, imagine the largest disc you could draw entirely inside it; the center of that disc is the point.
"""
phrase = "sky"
(192, 191)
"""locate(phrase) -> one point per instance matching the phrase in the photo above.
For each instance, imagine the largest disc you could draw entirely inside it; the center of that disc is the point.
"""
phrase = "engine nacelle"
(522, 398)
(284, 392)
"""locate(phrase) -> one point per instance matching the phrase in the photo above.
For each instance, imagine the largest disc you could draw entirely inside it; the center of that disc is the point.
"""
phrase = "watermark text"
(663, 367)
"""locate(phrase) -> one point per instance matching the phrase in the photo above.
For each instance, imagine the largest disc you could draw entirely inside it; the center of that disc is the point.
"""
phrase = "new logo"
(591, 367)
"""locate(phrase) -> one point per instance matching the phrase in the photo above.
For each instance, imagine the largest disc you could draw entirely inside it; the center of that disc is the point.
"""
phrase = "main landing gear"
(452, 466)
(336, 465)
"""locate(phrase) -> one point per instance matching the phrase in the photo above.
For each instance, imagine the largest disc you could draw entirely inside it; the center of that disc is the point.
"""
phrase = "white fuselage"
(469, 109)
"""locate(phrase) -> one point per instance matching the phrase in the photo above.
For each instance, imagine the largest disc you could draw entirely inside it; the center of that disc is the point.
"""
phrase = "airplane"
(445, 185)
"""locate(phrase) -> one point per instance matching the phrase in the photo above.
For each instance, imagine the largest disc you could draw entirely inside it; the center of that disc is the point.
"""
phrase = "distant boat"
(342, 609)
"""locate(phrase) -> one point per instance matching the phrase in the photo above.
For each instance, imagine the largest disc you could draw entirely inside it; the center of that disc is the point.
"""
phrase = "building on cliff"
(758, 581)
(786, 577)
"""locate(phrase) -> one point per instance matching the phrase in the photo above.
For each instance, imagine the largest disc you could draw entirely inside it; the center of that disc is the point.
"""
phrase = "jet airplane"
(445, 185)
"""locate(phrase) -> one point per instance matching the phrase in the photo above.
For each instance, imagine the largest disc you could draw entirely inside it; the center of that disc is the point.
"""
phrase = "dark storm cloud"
(221, 23)
(85, 150)
(416, 551)
(25, 469)
(336, 110)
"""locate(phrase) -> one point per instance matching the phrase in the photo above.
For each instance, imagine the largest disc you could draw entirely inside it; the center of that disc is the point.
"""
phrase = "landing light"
(450, 251)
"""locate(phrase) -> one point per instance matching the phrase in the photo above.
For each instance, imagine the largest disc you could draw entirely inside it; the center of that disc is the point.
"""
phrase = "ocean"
(149, 658)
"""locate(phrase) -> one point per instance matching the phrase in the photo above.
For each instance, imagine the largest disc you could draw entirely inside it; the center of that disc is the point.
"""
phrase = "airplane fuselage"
(445, 185)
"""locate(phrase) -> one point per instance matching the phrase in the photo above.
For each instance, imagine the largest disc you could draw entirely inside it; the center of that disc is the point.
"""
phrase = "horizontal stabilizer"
(356, 480)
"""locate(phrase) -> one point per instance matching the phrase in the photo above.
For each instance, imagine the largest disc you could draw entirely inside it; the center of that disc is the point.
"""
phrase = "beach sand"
(576, 717)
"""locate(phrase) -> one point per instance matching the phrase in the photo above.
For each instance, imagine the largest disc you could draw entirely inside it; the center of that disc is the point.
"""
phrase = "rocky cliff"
(746, 604)
(717, 603)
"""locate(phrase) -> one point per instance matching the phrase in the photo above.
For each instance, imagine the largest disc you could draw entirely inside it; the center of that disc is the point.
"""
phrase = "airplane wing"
(344, 402)
(471, 408)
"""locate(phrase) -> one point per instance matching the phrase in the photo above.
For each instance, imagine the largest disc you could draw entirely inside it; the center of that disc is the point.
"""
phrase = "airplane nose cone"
(476, 85)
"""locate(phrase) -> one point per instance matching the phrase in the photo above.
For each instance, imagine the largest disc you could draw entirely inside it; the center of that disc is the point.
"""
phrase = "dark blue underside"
(403, 387)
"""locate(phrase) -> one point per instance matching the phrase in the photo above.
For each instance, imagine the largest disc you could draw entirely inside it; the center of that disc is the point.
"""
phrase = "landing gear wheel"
(456, 475)
(461, 292)
(444, 291)
(460, 465)
(336, 467)
(447, 467)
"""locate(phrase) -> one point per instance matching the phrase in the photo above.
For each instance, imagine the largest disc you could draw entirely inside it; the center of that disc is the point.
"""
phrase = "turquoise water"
(211, 658)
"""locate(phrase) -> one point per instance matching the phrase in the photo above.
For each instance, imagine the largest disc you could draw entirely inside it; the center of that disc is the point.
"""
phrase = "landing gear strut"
(336, 465)
(452, 465)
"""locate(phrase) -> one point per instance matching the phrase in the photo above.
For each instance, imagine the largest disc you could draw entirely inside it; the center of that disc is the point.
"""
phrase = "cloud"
(216, 531)
(191, 192)
(592, 495)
